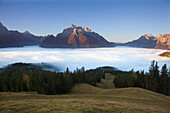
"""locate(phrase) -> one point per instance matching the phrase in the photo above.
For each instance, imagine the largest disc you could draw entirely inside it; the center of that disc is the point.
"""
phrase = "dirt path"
(107, 83)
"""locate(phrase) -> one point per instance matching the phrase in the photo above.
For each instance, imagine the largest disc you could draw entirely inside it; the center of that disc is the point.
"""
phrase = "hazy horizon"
(117, 21)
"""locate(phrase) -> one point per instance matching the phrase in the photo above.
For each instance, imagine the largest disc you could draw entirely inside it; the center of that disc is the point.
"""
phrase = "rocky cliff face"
(17, 39)
(76, 37)
(163, 41)
(150, 41)
(165, 54)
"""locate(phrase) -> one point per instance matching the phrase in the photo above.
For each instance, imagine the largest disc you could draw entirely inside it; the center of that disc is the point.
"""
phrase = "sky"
(115, 20)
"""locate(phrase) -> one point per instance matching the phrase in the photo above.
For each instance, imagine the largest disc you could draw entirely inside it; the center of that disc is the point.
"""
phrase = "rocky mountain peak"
(76, 36)
(159, 35)
(73, 28)
(166, 35)
(3, 29)
(148, 35)
(27, 32)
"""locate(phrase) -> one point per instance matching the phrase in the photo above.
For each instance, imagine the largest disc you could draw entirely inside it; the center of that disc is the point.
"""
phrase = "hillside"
(150, 41)
(75, 37)
(87, 98)
(165, 54)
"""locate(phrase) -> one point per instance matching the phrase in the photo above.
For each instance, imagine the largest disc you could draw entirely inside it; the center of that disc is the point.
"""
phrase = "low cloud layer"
(124, 58)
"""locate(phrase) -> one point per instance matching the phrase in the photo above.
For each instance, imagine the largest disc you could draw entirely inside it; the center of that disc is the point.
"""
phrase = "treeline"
(23, 77)
(154, 80)
(111, 70)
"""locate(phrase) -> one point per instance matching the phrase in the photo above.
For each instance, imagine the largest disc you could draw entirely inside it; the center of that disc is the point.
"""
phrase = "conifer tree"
(164, 80)
(156, 77)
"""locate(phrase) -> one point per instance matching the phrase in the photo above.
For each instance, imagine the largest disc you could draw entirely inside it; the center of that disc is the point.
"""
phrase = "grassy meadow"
(85, 98)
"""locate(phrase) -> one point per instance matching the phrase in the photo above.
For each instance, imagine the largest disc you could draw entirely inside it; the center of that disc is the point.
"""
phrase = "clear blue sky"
(116, 20)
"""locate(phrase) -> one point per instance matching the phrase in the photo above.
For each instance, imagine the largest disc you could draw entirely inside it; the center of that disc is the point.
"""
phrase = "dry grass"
(86, 98)
(107, 83)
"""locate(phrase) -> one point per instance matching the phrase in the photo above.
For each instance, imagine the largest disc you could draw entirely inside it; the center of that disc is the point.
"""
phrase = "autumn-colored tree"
(26, 80)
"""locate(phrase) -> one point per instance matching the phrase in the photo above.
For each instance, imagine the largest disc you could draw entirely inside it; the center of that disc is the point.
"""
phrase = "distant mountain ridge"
(150, 41)
(76, 37)
(9, 38)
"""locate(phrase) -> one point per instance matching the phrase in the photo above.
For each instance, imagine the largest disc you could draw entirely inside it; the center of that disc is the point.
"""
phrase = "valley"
(84, 56)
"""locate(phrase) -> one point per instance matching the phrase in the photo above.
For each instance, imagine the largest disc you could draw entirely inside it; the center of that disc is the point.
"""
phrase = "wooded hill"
(26, 77)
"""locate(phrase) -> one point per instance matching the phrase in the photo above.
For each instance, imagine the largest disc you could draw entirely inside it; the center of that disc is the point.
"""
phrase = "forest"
(26, 77)
(155, 80)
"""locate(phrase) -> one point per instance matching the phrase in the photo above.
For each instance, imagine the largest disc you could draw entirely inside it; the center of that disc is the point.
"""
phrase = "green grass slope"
(85, 98)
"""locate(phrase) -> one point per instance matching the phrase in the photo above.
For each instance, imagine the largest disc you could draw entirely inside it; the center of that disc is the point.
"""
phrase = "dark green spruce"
(154, 80)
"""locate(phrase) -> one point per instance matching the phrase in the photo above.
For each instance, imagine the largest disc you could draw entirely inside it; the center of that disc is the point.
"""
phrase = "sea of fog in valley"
(123, 58)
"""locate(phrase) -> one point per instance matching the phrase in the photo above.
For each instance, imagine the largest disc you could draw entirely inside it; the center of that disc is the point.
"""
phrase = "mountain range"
(9, 38)
(150, 41)
(77, 37)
